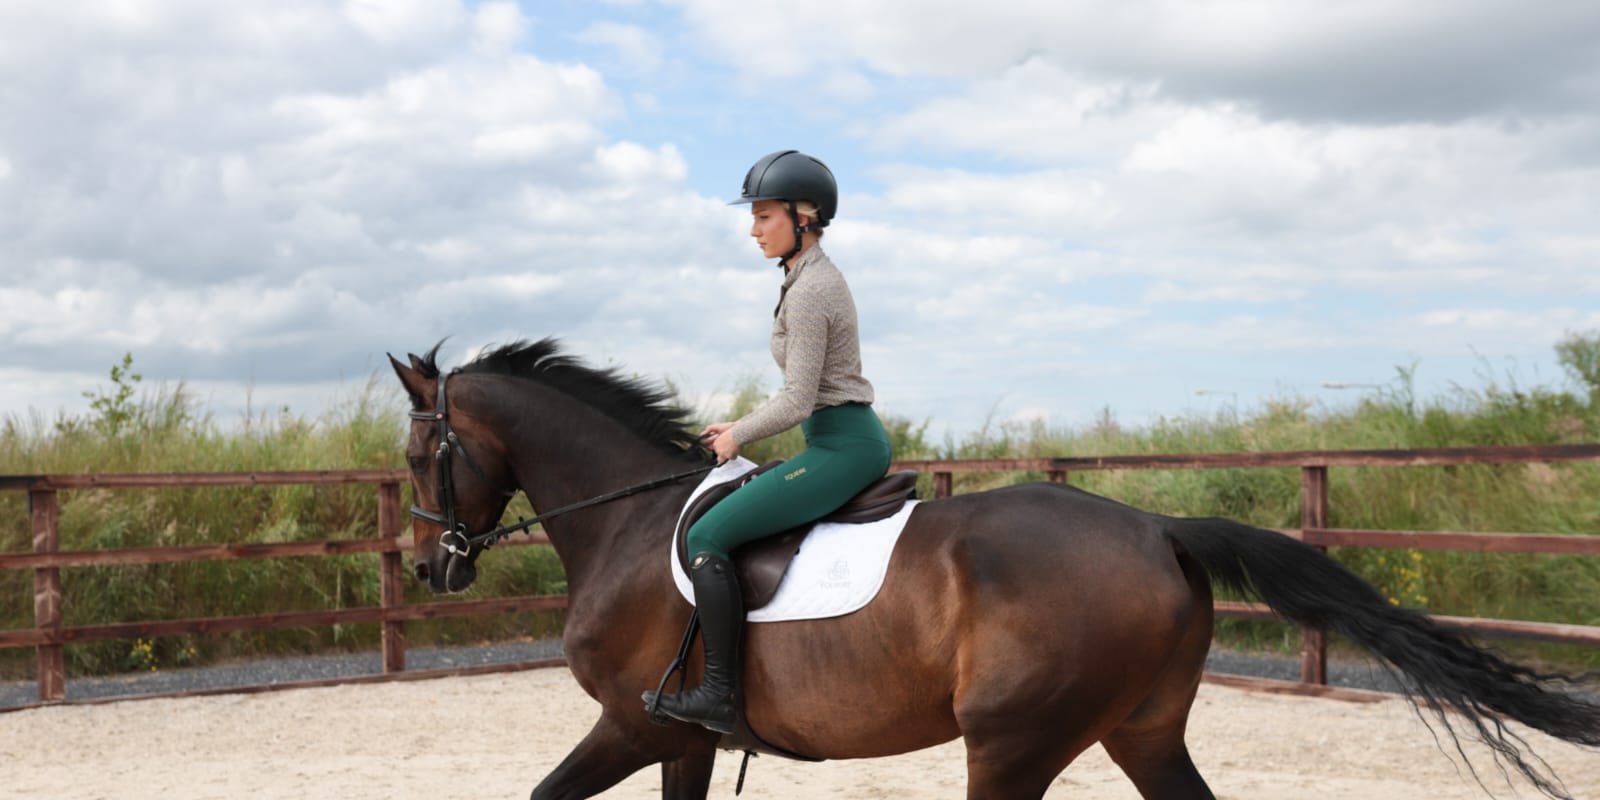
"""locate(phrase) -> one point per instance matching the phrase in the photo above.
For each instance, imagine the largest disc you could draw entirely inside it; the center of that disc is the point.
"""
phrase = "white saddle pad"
(839, 568)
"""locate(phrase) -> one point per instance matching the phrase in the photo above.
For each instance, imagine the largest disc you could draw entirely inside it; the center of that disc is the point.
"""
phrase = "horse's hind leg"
(1158, 763)
(1019, 765)
(1148, 745)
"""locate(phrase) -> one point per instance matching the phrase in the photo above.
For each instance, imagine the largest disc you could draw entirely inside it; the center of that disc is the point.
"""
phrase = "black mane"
(642, 408)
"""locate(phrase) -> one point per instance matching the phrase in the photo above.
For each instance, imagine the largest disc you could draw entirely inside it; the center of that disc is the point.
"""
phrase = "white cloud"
(1431, 333)
(1534, 327)
(1248, 333)
(1383, 206)
(1577, 253)
(498, 27)
(844, 86)
(1211, 141)
(1302, 58)
(635, 46)
(405, 22)
(1242, 292)
(1034, 112)
(1058, 205)
(226, 202)
(626, 163)
(515, 108)
(1059, 202)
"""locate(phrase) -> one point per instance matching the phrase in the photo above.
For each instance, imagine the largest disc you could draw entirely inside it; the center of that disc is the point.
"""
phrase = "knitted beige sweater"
(816, 344)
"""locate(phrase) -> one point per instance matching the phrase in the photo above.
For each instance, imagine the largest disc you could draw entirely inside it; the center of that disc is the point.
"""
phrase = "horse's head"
(460, 478)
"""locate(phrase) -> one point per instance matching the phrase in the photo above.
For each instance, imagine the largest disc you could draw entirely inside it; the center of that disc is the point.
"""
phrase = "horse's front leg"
(688, 777)
(607, 755)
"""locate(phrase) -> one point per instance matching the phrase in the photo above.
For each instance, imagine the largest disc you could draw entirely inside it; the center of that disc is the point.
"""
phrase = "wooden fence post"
(52, 670)
(1314, 514)
(391, 581)
(943, 485)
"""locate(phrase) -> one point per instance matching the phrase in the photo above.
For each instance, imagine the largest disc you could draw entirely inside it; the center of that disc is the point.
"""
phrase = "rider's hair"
(808, 209)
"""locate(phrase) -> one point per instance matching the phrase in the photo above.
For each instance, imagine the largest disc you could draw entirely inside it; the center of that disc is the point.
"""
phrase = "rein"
(455, 539)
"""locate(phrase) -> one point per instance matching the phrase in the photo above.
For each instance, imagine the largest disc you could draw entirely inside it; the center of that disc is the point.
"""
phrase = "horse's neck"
(578, 454)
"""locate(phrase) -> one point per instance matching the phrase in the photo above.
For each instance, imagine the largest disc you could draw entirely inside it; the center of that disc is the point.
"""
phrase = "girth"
(761, 564)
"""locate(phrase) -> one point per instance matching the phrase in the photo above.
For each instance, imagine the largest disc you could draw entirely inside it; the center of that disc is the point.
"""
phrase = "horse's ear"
(416, 361)
(411, 378)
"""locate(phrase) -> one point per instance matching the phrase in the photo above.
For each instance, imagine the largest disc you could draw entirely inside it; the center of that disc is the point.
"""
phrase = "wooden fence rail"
(49, 635)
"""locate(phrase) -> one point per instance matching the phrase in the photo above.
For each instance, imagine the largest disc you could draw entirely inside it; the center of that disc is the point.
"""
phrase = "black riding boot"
(715, 702)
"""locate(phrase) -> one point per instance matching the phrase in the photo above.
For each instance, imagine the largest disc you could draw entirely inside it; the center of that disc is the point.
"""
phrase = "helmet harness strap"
(799, 231)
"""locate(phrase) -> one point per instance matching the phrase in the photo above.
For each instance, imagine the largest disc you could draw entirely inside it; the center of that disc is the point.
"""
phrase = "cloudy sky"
(1048, 208)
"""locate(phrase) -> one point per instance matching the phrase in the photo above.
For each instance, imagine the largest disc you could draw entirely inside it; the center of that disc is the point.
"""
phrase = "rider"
(815, 341)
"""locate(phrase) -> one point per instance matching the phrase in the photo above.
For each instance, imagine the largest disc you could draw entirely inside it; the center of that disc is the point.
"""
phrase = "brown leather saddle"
(761, 564)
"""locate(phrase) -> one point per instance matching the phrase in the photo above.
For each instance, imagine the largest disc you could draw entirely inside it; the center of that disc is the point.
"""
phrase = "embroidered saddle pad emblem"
(761, 565)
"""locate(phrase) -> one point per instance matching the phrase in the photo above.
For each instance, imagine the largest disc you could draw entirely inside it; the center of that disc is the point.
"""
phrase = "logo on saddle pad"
(838, 577)
(797, 473)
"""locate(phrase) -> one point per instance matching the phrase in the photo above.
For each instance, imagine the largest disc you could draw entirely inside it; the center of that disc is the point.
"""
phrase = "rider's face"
(772, 229)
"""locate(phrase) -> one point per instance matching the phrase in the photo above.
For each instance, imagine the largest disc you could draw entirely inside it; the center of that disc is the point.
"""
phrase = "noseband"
(456, 540)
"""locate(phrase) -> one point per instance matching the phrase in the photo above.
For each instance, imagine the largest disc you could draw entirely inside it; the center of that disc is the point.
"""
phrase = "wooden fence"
(49, 635)
(1313, 530)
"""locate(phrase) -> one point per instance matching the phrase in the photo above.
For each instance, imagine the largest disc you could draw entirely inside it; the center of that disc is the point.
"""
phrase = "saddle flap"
(761, 565)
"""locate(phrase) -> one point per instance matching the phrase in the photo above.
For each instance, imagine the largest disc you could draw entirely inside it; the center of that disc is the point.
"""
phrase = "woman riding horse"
(816, 343)
(1061, 618)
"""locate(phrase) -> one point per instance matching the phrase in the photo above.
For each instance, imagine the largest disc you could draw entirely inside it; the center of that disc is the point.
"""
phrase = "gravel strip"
(281, 670)
(1362, 674)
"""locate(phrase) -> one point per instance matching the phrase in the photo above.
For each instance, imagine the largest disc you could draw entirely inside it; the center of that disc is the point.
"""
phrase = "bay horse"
(1030, 621)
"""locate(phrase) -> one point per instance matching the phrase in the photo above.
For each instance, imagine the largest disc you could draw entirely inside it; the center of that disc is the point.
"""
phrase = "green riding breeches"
(846, 449)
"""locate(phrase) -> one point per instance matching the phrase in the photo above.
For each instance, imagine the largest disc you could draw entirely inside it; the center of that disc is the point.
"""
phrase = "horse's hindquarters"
(1015, 609)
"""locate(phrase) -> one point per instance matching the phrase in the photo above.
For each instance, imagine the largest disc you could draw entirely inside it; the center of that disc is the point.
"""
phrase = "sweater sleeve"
(805, 349)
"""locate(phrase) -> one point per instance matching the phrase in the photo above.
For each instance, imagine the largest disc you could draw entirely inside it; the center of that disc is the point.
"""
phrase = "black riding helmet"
(792, 176)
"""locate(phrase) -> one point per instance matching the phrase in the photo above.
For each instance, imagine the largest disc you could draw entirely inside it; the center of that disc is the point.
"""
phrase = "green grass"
(1523, 498)
(163, 429)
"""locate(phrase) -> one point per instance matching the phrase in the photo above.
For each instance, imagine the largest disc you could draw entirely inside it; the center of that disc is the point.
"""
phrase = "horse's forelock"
(428, 364)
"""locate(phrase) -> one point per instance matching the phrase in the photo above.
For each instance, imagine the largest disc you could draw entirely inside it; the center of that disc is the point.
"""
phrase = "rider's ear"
(411, 378)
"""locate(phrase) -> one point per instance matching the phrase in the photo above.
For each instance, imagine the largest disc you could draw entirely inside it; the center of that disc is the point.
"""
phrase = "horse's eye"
(418, 463)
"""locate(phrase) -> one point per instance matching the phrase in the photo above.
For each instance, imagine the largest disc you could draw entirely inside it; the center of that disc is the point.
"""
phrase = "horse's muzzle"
(460, 572)
(447, 573)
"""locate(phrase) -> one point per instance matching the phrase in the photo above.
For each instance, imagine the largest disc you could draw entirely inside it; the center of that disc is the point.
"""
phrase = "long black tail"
(1439, 669)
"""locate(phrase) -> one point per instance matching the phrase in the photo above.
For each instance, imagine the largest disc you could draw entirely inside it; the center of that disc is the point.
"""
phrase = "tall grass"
(164, 430)
(132, 428)
(1531, 498)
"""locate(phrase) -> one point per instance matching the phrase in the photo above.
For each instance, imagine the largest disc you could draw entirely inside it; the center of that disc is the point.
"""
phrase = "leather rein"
(456, 540)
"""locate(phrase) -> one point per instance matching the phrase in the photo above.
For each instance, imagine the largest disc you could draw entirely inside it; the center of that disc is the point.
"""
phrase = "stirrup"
(679, 665)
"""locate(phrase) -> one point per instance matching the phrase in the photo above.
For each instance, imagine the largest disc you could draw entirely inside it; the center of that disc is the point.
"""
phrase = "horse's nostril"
(422, 571)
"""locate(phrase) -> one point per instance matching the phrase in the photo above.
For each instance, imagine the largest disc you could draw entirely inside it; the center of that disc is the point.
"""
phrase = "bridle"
(456, 540)
(448, 443)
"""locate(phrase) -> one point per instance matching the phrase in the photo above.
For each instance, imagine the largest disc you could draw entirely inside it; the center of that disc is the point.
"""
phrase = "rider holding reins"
(816, 343)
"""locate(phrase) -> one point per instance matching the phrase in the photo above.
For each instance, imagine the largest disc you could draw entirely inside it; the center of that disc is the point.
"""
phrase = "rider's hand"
(725, 446)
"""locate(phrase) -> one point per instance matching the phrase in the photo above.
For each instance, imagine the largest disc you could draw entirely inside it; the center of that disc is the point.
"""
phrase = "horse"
(1031, 621)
